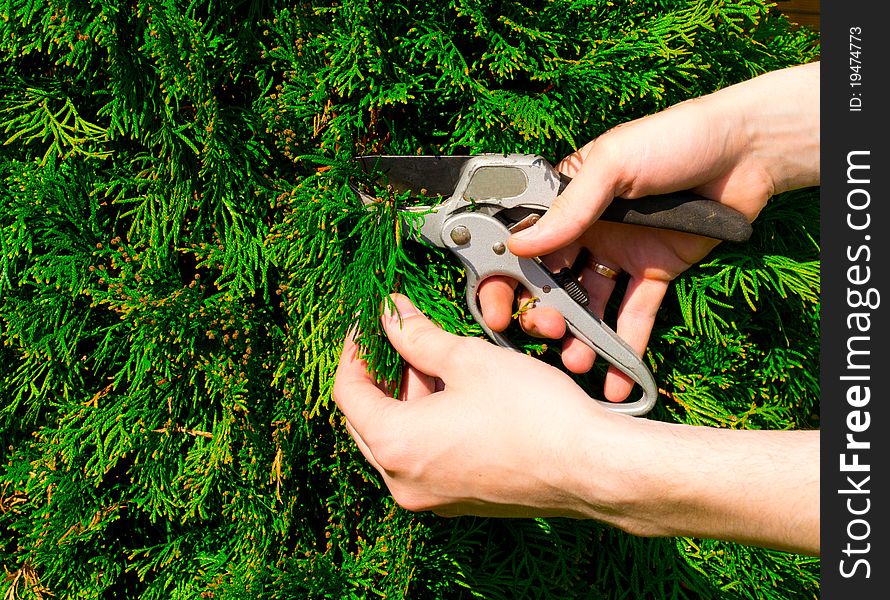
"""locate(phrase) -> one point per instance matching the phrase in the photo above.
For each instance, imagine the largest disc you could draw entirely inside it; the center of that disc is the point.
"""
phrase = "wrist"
(655, 483)
(664, 479)
(776, 116)
(621, 471)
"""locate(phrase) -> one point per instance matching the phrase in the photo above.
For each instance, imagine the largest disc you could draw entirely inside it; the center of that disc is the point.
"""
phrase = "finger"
(577, 356)
(582, 202)
(571, 164)
(496, 301)
(357, 396)
(636, 317)
(546, 321)
(362, 445)
(369, 455)
(418, 340)
(562, 258)
(599, 290)
(539, 321)
(416, 384)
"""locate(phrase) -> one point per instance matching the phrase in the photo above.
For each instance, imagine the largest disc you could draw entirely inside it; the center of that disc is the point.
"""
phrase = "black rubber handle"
(682, 211)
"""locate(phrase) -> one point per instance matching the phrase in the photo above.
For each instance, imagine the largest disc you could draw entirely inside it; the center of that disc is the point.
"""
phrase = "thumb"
(572, 213)
(418, 340)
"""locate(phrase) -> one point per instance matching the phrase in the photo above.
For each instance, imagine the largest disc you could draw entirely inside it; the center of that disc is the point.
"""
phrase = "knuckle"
(468, 351)
(392, 454)
(472, 346)
(418, 336)
(456, 350)
(411, 501)
(338, 392)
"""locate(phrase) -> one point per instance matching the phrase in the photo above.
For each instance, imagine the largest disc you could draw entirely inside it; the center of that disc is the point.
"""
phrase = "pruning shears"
(477, 202)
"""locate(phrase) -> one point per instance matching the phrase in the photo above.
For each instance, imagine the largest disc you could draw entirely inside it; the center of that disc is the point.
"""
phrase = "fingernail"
(400, 307)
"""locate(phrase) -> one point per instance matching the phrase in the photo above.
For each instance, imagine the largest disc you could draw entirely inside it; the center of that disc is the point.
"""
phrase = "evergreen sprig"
(182, 254)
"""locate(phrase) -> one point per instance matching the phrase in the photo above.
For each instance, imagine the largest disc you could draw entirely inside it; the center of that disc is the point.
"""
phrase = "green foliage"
(181, 257)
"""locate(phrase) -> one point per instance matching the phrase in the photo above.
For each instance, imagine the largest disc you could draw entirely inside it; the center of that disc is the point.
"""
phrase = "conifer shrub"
(181, 257)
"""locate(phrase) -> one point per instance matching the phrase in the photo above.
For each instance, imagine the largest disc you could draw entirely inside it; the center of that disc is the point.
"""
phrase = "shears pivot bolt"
(460, 235)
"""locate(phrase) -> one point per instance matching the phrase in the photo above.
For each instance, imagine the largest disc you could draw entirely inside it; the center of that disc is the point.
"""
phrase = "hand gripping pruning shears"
(484, 198)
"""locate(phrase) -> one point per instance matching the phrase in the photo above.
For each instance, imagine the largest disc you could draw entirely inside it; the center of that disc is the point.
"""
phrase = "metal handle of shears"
(472, 189)
(479, 240)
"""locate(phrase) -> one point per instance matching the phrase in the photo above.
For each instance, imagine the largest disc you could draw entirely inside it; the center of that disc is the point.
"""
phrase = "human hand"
(481, 430)
(738, 146)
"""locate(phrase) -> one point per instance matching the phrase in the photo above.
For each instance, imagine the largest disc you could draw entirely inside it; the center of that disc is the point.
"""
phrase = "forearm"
(739, 146)
(754, 487)
(778, 127)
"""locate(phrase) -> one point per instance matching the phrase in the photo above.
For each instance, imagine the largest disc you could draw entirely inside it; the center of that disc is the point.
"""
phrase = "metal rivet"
(499, 248)
(546, 289)
(460, 235)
